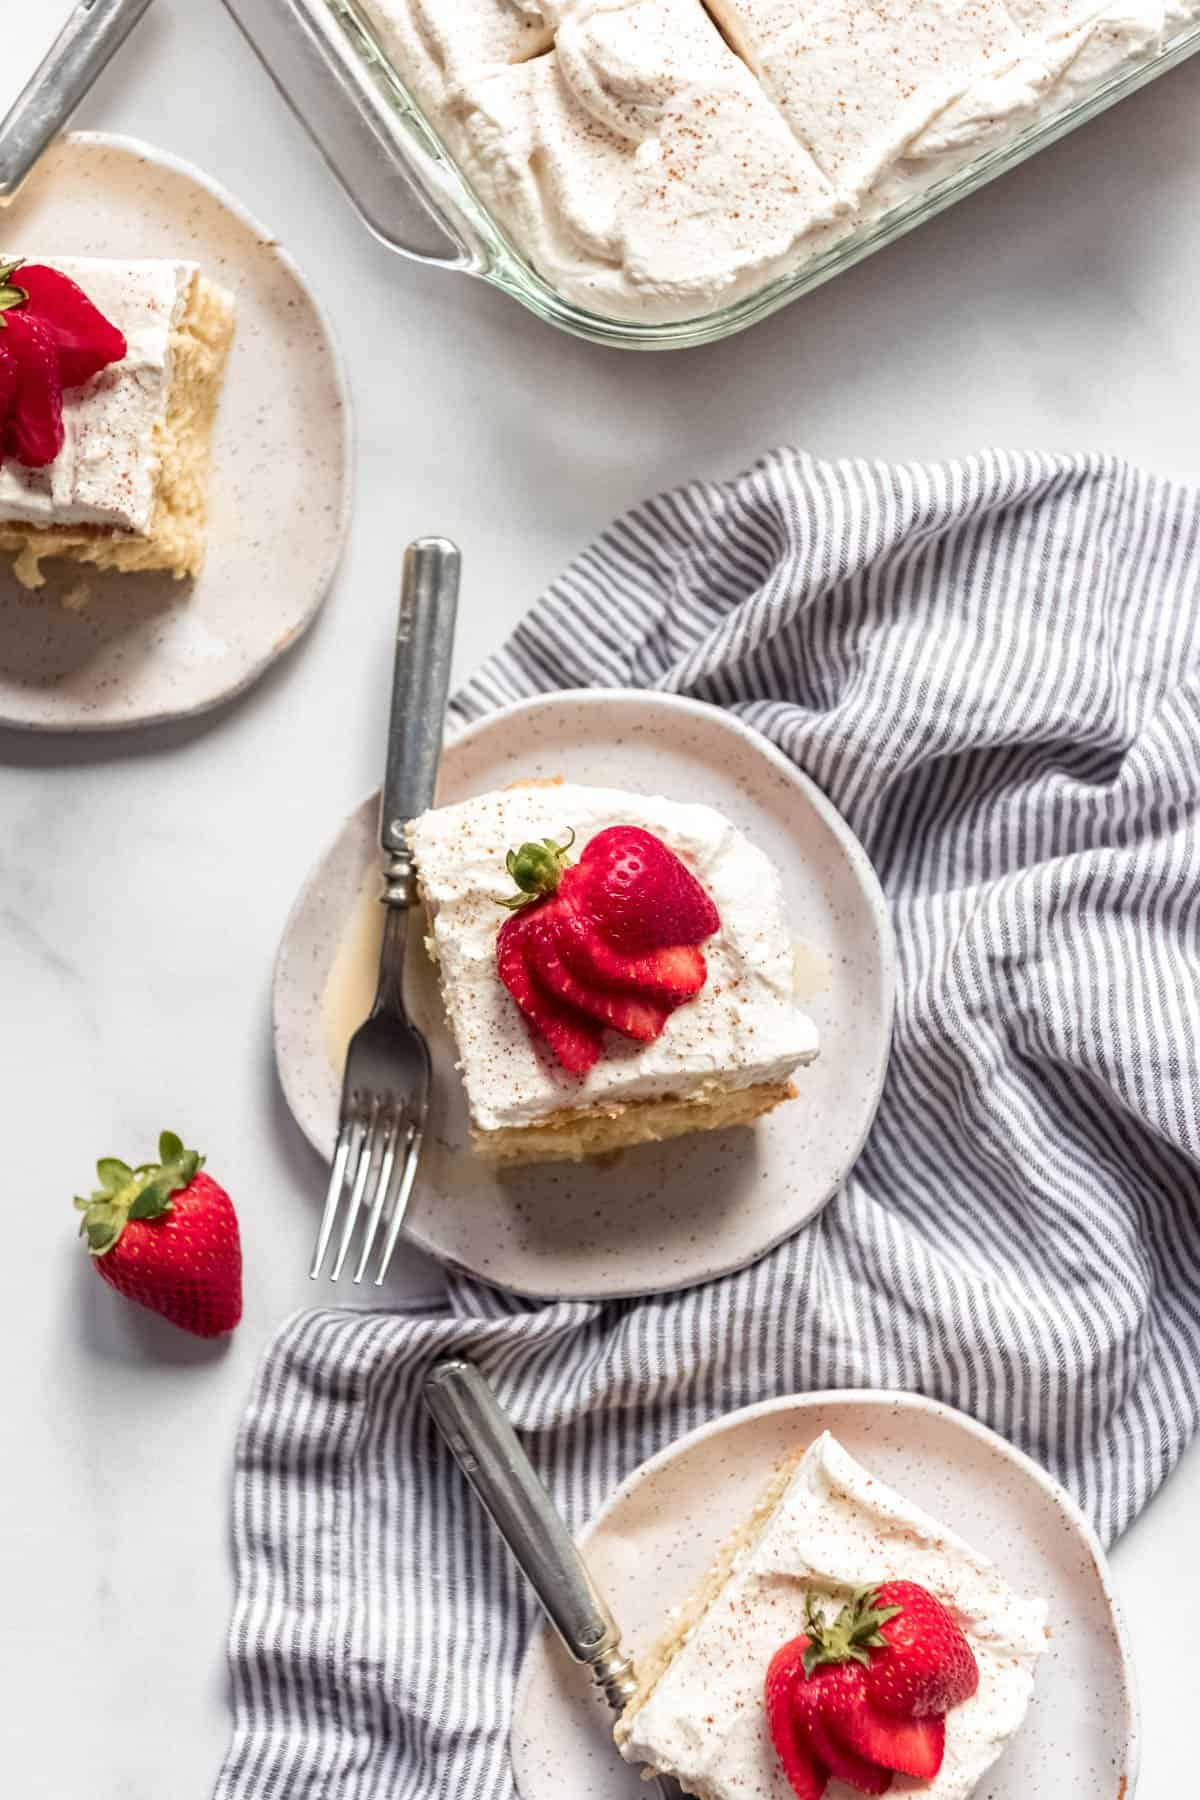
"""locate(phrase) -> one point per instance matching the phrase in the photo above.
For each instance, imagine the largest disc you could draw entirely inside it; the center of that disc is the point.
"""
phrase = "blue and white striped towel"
(993, 668)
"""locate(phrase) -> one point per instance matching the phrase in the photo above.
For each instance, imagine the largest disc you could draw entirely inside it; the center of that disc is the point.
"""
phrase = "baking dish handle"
(403, 194)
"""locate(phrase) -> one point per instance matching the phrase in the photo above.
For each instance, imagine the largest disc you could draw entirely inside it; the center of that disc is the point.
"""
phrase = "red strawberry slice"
(8, 387)
(909, 1746)
(672, 975)
(819, 1700)
(33, 434)
(925, 1665)
(604, 964)
(574, 1038)
(639, 894)
(808, 1776)
(642, 1019)
(86, 341)
(867, 1688)
(845, 1763)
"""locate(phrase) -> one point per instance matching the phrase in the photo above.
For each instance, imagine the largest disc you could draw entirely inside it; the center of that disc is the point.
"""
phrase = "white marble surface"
(144, 880)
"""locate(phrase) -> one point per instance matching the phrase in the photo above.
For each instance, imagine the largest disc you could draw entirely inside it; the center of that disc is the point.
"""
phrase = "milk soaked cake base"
(652, 1668)
(601, 1130)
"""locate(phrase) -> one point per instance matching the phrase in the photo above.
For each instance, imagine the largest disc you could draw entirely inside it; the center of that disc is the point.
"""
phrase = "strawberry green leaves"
(847, 1637)
(126, 1193)
(537, 869)
(10, 293)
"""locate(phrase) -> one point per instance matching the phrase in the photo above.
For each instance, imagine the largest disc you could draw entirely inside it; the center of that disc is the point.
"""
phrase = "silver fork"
(385, 1089)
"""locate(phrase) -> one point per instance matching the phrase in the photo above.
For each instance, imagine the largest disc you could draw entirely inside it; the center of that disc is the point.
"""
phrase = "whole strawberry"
(166, 1235)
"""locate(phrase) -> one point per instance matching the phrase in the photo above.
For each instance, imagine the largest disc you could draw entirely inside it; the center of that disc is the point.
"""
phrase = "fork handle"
(93, 34)
(487, 1449)
(420, 684)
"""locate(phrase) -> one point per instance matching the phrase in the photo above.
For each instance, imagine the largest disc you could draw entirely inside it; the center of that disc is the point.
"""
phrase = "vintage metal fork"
(481, 1439)
(385, 1089)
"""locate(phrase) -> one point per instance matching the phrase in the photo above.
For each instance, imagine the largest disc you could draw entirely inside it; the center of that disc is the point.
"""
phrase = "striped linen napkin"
(993, 669)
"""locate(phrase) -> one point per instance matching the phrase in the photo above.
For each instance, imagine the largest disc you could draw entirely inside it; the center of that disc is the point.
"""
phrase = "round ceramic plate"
(659, 1532)
(146, 647)
(661, 1216)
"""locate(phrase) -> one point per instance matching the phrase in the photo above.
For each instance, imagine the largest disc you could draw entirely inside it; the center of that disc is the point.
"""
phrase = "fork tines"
(373, 1167)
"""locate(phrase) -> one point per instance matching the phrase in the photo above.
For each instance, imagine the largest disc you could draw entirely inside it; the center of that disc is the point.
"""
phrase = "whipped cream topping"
(742, 1028)
(640, 162)
(836, 1528)
(437, 45)
(106, 473)
(652, 166)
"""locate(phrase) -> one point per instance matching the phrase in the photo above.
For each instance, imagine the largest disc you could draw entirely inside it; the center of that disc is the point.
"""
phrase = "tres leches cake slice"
(615, 968)
(109, 378)
(843, 1642)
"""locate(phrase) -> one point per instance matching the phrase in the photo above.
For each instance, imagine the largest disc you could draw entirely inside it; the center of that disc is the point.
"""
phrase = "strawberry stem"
(141, 1193)
(849, 1635)
(11, 295)
(537, 868)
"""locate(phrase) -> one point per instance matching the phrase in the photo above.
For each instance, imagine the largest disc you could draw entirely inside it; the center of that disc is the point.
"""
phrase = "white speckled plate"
(147, 648)
(656, 1536)
(663, 1216)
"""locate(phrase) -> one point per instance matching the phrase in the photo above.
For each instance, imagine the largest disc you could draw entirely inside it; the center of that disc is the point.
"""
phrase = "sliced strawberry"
(642, 1019)
(33, 434)
(909, 1746)
(639, 894)
(86, 341)
(8, 387)
(808, 1776)
(673, 975)
(626, 957)
(819, 1700)
(845, 1763)
(574, 1038)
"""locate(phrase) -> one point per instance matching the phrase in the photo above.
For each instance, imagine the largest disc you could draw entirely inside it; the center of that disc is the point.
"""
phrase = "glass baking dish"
(386, 155)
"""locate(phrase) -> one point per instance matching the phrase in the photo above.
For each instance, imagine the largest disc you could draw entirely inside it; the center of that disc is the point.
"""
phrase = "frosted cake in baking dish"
(657, 159)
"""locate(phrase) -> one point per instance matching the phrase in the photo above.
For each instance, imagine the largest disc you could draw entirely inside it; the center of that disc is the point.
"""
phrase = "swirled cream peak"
(107, 470)
(652, 166)
(742, 1028)
(637, 162)
(437, 45)
(835, 1528)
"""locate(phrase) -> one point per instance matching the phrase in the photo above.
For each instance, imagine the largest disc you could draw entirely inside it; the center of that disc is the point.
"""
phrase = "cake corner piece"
(129, 492)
